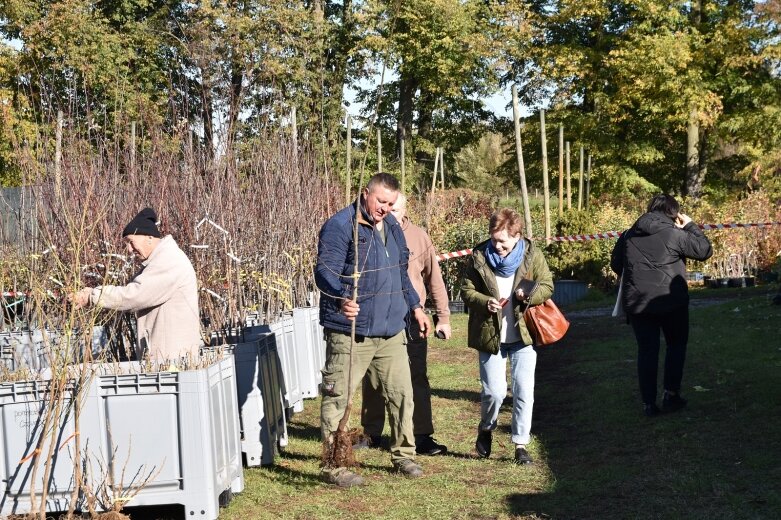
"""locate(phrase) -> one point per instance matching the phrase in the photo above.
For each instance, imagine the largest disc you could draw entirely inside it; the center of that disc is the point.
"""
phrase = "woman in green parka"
(496, 326)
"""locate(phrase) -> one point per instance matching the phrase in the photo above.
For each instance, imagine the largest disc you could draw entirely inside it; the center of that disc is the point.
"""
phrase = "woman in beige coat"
(163, 294)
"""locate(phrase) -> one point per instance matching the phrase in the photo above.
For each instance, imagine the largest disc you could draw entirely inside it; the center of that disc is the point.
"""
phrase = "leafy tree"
(634, 76)
(441, 55)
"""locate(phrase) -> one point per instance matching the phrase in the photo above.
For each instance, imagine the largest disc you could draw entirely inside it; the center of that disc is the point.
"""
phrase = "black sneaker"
(426, 445)
(672, 402)
(483, 443)
(651, 410)
(522, 456)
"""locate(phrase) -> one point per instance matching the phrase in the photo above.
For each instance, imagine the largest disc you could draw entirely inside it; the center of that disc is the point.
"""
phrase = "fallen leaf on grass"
(699, 388)
(736, 309)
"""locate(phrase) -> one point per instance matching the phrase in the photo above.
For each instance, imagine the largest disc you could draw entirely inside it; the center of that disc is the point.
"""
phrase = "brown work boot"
(342, 477)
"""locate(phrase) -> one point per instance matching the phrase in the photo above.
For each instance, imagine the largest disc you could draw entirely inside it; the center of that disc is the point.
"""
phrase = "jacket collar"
(361, 215)
(165, 242)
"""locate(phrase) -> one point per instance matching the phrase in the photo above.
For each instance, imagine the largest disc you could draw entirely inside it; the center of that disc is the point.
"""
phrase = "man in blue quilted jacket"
(386, 299)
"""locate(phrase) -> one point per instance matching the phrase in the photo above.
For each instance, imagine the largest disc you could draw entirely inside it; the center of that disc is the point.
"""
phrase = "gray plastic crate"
(33, 349)
(273, 426)
(283, 330)
(7, 354)
(318, 335)
(259, 396)
(182, 427)
(308, 340)
(27, 349)
(568, 291)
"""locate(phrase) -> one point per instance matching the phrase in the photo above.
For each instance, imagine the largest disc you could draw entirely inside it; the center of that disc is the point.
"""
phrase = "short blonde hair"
(507, 219)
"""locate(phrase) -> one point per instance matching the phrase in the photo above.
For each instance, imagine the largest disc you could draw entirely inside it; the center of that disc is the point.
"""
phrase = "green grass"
(596, 455)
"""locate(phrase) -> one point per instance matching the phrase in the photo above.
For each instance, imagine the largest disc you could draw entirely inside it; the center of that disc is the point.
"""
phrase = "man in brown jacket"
(423, 270)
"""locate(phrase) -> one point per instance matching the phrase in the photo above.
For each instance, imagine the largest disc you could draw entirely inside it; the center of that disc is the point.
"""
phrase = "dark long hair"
(664, 204)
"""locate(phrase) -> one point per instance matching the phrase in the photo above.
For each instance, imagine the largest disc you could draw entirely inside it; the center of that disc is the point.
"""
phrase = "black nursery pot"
(736, 282)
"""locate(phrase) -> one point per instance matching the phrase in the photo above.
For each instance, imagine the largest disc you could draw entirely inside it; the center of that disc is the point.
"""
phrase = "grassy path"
(596, 455)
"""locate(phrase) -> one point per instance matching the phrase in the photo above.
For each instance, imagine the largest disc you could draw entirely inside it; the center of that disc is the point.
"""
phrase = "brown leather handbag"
(545, 322)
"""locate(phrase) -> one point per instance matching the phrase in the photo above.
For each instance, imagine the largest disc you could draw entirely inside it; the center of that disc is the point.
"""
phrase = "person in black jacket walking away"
(650, 258)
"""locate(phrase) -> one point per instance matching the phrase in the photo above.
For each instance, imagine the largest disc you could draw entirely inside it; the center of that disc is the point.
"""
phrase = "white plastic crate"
(182, 427)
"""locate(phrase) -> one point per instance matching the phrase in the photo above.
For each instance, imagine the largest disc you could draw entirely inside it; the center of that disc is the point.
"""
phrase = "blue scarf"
(506, 266)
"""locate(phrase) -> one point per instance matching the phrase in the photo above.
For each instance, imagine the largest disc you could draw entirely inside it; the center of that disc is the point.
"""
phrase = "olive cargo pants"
(387, 359)
(373, 409)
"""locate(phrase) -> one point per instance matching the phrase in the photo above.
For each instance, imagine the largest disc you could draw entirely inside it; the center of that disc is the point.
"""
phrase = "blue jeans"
(493, 369)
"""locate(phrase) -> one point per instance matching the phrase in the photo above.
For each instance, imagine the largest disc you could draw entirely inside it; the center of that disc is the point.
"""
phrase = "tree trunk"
(694, 141)
(236, 84)
(693, 171)
(335, 74)
(407, 88)
(425, 122)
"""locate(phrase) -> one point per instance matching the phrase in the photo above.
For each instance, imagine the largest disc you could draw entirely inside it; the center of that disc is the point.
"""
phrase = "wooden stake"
(379, 151)
(58, 154)
(442, 167)
(561, 170)
(569, 179)
(545, 190)
(527, 216)
(348, 184)
(436, 169)
(580, 182)
(133, 146)
(588, 180)
(294, 131)
(403, 165)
